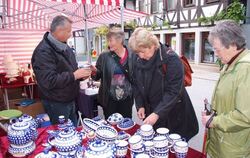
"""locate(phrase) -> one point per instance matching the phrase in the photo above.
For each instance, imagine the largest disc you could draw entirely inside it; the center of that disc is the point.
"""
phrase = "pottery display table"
(43, 135)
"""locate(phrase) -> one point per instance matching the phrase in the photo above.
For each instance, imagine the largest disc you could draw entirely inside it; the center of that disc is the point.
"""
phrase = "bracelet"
(209, 121)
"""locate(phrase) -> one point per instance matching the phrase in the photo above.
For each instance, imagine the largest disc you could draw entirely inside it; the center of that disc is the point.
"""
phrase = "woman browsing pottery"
(229, 130)
(114, 68)
(161, 98)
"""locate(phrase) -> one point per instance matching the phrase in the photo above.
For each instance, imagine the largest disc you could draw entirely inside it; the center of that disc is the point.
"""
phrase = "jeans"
(55, 109)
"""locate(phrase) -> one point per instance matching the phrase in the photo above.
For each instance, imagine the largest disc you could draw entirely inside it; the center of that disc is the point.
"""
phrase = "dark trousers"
(124, 107)
(55, 109)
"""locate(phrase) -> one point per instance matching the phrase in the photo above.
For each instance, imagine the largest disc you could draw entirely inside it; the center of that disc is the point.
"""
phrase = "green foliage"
(102, 31)
(154, 25)
(130, 25)
(235, 11)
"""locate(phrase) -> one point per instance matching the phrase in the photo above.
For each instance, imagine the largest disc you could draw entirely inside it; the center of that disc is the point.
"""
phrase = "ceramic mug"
(161, 142)
(135, 142)
(175, 137)
(163, 131)
(146, 130)
(148, 145)
(156, 154)
(121, 148)
(180, 149)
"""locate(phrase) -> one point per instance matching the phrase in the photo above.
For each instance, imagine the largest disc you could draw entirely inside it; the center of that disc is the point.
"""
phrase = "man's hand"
(141, 113)
(82, 73)
(151, 119)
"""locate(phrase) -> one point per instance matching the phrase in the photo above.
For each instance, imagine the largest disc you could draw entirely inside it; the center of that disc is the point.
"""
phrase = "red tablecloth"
(43, 135)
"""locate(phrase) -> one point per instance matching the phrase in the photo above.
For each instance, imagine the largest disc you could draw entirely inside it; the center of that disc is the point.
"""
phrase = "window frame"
(211, 1)
(185, 5)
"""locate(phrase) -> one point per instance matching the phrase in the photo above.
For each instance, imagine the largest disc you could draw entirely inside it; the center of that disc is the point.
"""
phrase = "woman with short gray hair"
(229, 123)
(114, 68)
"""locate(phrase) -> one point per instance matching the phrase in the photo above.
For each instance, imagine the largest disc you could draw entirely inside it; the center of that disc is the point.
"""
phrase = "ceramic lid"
(20, 125)
(98, 146)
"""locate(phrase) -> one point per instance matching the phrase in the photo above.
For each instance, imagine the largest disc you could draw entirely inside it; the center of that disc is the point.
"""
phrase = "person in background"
(114, 68)
(56, 71)
(161, 98)
(229, 130)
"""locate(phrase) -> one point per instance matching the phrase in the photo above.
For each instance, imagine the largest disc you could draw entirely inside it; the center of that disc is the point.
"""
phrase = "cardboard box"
(32, 109)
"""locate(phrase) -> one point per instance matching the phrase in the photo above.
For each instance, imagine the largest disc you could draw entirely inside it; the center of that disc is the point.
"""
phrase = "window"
(188, 45)
(156, 6)
(170, 4)
(212, 1)
(141, 6)
(207, 54)
(171, 40)
(188, 3)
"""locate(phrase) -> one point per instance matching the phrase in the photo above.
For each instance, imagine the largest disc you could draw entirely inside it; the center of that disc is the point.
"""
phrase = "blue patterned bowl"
(106, 133)
(125, 124)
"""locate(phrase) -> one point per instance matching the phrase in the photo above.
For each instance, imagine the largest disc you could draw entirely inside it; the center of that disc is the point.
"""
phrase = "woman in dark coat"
(113, 68)
(160, 96)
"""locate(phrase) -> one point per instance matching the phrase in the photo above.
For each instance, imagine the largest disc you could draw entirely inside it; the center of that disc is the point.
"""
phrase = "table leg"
(31, 89)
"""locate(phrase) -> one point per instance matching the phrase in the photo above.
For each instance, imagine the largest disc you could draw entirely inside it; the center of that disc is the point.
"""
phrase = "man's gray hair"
(59, 21)
(229, 33)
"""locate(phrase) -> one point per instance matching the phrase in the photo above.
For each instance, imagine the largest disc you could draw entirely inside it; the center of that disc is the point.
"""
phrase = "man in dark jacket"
(161, 98)
(57, 72)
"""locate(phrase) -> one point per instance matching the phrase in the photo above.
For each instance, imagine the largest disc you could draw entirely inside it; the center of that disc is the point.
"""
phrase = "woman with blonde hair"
(114, 68)
(160, 96)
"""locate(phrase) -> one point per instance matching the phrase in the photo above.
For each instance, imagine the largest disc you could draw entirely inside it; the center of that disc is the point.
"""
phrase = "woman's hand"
(141, 113)
(151, 119)
(205, 118)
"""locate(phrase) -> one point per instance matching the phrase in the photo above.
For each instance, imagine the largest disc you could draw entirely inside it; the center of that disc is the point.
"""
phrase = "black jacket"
(165, 94)
(54, 72)
(105, 67)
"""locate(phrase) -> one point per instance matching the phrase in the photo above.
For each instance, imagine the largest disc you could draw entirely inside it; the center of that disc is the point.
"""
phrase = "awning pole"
(122, 10)
(87, 36)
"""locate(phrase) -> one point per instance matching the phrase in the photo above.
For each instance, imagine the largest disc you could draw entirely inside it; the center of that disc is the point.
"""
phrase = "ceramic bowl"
(126, 124)
(115, 118)
(89, 125)
(106, 133)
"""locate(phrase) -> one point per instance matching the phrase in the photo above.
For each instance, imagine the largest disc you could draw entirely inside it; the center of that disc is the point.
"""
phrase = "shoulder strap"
(126, 73)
